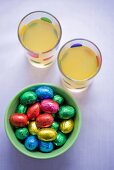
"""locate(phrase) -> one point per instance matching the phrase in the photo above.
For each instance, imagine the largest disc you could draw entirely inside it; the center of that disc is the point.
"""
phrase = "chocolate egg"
(21, 133)
(49, 106)
(55, 125)
(45, 146)
(31, 143)
(33, 111)
(47, 134)
(59, 99)
(18, 120)
(44, 92)
(21, 109)
(66, 112)
(60, 139)
(66, 126)
(28, 97)
(33, 128)
(44, 120)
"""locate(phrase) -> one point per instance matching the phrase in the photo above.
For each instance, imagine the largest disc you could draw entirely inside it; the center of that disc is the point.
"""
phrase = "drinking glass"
(44, 58)
(75, 85)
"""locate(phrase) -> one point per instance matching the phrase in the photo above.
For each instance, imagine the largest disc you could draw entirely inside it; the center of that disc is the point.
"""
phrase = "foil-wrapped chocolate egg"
(55, 125)
(44, 120)
(45, 146)
(60, 139)
(49, 106)
(33, 111)
(66, 112)
(33, 130)
(21, 108)
(47, 134)
(31, 143)
(28, 97)
(18, 120)
(21, 133)
(59, 99)
(66, 126)
(44, 92)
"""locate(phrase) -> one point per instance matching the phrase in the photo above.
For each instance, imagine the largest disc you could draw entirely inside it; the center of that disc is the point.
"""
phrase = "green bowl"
(39, 155)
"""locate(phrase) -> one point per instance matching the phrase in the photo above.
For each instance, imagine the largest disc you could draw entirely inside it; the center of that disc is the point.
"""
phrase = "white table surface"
(93, 20)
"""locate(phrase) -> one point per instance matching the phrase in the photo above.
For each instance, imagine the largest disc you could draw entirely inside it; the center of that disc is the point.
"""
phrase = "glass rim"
(83, 39)
(45, 13)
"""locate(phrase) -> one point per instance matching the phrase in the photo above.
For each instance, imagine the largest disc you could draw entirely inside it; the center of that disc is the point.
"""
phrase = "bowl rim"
(34, 156)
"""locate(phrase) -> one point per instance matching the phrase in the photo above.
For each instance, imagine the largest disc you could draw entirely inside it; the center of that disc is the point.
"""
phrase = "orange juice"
(79, 63)
(39, 36)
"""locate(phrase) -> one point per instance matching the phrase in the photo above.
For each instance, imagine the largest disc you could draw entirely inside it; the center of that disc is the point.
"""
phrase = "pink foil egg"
(49, 106)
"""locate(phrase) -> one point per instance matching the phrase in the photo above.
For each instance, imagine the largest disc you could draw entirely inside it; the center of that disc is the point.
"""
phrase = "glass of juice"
(79, 61)
(39, 33)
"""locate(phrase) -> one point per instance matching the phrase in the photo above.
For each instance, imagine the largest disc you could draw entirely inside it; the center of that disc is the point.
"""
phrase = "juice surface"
(39, 35)
(79, 63)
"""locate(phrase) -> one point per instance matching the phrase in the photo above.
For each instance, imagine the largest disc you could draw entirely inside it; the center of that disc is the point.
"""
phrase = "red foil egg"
(18, 120)
(33, 111)
(49, 106)
(44, 120)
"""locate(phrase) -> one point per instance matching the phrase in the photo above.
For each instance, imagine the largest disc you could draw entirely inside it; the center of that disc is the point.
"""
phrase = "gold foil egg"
(33, 128)
(66, 126)
(47, 134)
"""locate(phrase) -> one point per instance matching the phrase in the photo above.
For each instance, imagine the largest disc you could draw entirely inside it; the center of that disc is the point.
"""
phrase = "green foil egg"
(59, 99)
(21, 133)
(55, 125)
(28, 97)
(66, 112)
(21, 108)
(60, 139)
(66, 126)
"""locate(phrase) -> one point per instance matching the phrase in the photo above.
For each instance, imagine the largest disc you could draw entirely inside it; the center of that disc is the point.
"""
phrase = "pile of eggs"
(42, 120)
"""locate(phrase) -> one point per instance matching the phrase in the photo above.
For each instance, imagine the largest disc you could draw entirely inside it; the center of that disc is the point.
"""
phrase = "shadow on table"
(81, 97)
(41, 74)
(19, 161)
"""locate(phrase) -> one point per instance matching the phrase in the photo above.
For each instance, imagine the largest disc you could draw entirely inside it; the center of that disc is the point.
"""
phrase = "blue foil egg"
(45, 146)
(44, 92)
(31, 143)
